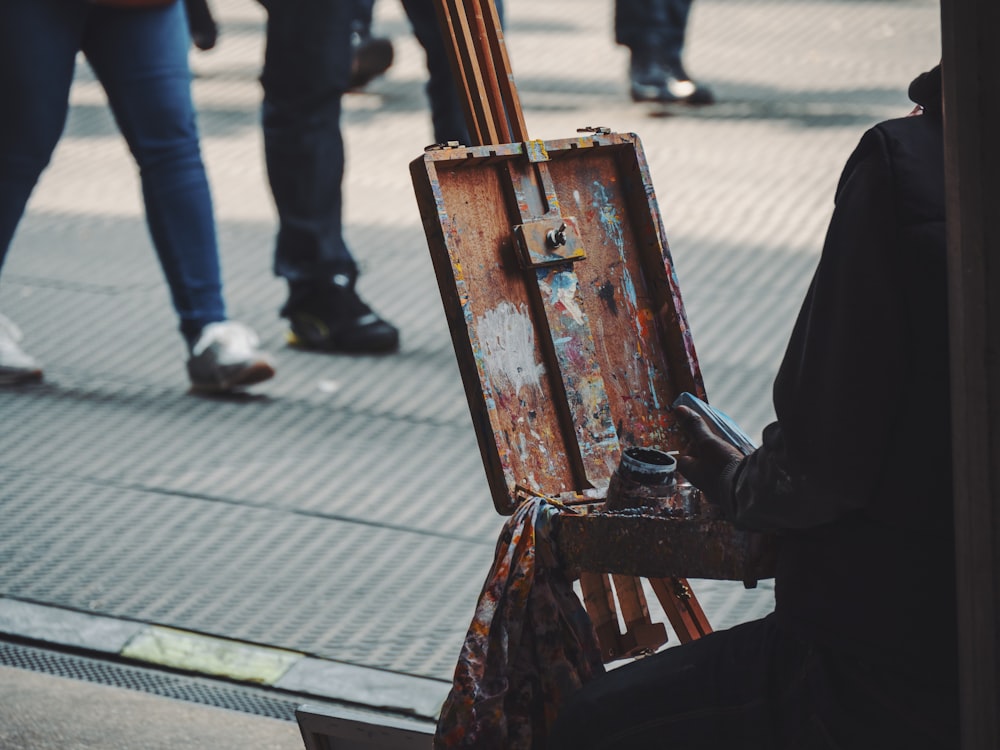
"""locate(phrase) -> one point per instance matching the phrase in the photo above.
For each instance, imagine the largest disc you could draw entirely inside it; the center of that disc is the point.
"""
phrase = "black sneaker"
(371, 56)
(648, 79)
(333, 318)
(652, 80)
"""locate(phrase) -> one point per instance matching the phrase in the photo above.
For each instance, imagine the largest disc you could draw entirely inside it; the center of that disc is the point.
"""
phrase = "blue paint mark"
(651, 374)
(562, 281)
(629, 288)
(608, 218)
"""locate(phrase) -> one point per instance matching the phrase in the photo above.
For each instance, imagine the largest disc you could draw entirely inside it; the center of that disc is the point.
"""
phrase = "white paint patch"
(541, 443)
(508, 346)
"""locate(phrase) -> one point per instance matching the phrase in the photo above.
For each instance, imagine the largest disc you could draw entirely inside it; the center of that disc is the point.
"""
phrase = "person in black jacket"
(855, 477)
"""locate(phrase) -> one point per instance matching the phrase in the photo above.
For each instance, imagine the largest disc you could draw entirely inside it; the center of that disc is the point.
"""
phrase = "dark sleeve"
(834, 392)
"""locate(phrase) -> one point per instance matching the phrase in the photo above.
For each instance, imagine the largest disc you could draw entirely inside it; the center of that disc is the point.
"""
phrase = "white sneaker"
(15, 365)
(226, 358)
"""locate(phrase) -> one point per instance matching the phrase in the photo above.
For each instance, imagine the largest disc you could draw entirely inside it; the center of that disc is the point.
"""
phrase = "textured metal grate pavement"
(179, 687)
(343, 510)
(366, 594)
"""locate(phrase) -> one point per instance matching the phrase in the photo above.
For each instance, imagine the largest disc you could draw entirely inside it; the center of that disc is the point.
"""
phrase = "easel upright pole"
(482, 71)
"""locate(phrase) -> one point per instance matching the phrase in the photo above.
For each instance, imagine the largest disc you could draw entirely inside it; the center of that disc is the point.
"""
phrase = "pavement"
(182, 571)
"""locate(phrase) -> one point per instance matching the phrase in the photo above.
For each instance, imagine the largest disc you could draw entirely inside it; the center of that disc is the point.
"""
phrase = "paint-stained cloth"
(529, 646)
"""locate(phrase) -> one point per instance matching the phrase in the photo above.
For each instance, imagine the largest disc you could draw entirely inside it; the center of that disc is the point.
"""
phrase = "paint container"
(646, 478)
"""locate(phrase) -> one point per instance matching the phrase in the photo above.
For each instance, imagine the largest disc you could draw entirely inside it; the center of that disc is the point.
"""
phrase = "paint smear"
(609, 218)
(560, 288)
(508, 347)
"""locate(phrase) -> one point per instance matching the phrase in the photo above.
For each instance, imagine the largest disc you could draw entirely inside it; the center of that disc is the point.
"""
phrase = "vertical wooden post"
(971, 70)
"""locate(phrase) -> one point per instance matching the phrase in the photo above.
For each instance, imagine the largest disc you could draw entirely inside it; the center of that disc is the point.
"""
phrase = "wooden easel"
(537, 300)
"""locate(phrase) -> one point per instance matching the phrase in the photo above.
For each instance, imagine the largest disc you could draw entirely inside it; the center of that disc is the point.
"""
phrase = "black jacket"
(855, 474)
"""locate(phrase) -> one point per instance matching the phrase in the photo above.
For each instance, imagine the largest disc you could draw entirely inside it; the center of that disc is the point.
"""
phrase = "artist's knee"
(577, 726)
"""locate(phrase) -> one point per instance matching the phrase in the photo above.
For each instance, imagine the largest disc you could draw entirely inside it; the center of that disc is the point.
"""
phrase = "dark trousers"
(307, 64)
(648, 26)
(447, 115)
(754, 687)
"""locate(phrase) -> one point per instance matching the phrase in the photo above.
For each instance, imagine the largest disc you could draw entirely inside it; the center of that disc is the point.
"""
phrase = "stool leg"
(642, 635)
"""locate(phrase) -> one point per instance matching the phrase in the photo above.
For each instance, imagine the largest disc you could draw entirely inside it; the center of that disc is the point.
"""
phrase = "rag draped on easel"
(530, 645)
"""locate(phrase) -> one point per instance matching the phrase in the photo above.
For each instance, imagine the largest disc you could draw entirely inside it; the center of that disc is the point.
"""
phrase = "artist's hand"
(708, 457)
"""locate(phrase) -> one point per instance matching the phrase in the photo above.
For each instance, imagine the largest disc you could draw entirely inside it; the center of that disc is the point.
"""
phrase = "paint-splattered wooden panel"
(629, 290)
(514, 327)
(482, 286)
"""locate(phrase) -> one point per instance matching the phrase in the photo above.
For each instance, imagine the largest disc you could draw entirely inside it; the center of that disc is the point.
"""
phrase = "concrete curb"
(212, 656)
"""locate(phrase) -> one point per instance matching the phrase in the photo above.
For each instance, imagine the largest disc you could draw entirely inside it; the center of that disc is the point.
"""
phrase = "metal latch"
(548, 240)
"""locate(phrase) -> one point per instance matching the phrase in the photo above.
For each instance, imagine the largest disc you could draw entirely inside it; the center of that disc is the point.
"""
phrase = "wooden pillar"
(971, 68)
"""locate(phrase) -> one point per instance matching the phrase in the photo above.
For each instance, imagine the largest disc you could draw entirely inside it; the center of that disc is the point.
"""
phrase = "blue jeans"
(648, 26)
(140, 58)
(307, 65)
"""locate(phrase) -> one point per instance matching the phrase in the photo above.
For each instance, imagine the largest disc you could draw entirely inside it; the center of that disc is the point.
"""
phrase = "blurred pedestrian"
(201, 23)
(655, 32)
(139, 55)
(307, 67)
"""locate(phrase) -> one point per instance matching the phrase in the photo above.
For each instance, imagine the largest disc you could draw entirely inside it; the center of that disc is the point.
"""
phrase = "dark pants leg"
(362, 14)
(706, 694)
(307, 65)
(653, 25)
(447, 114)
(201, 23)
(754, 687)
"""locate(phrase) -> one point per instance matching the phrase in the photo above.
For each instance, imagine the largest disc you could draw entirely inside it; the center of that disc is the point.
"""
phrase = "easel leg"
(641, 635)
(600, 605)
(681, 607)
